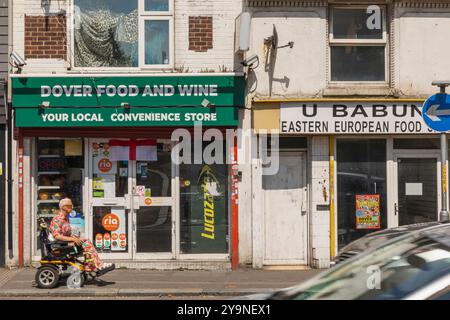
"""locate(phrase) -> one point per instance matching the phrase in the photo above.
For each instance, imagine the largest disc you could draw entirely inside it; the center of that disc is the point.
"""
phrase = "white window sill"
(358, 90)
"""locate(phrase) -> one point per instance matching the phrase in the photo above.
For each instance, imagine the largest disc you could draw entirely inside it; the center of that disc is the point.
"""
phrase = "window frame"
(383, 42)
(142, 20)
(142, 16)
(156, 13)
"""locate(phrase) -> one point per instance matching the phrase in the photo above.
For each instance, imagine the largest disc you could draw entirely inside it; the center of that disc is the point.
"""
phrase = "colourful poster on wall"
(367, 211)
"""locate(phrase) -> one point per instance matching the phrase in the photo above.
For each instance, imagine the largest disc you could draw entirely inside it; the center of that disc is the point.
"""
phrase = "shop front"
(141, 193)
(372, 164)
(386, 162)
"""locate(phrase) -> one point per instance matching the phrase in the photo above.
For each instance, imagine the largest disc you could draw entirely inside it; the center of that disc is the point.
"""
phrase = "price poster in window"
(367, 211)
(116, 224)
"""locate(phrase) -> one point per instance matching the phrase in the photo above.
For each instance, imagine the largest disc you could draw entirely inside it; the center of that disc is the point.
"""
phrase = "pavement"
(153, 283)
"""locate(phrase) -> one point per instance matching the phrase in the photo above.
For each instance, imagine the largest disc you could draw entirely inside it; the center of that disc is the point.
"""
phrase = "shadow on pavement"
(99, 283)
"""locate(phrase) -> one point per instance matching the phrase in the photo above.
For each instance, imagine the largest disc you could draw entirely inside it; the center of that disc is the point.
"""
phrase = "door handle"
(110, 203)
(395, 208)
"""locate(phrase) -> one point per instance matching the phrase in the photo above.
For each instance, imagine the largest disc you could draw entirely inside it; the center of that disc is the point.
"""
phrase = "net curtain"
(106, 33)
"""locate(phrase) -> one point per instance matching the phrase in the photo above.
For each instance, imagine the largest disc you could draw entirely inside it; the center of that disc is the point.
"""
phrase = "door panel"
(153, 205)
(154, 229)
(285, 206)
(110, 224)
(417, 190)
(111, 230)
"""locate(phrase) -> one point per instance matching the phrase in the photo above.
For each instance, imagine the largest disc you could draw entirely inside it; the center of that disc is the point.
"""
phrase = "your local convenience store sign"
(121, 117)
(134, 90)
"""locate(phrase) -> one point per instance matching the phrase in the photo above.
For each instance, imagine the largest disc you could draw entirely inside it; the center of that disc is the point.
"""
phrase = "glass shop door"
(154, 185)
(110, 207)
(417, 187)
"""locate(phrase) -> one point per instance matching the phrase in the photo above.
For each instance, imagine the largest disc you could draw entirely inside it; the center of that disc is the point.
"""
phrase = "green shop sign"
(125, 117)
(133, 90)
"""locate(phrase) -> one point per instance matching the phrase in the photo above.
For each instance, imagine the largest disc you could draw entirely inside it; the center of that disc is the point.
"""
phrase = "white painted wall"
(296, 72)
(419, 44)
(422, 49)
(319, 195)
(245, 188)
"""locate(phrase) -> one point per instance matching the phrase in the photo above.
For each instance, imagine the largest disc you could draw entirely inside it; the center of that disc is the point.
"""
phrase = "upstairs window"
(157, 33)
(123, 34)
(358, 44)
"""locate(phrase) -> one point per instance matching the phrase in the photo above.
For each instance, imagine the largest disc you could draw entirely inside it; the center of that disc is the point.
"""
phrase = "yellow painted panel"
(266, 116)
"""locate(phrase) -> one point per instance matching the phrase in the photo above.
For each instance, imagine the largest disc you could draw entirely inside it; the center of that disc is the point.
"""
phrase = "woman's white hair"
(64, 202)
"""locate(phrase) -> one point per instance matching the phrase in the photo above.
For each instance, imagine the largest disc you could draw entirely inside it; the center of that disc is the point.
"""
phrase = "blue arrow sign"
(436, 112)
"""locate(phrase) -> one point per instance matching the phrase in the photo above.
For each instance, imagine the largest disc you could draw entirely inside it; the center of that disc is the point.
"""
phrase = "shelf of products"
(48, 156)
(46, 215)
(50, 173)
(49, 187)
(47, 201)
(59, 175)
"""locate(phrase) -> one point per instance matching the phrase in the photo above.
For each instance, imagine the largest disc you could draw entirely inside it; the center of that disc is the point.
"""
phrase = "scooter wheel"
(76, 280)
(47, 277)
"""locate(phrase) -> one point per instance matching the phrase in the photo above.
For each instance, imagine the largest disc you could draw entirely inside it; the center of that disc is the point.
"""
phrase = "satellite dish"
(272, 41)
(274, 38)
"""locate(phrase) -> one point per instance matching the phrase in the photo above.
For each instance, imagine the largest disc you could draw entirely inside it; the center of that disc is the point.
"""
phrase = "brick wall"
(200, 33)
(220, 57)
(45, 37)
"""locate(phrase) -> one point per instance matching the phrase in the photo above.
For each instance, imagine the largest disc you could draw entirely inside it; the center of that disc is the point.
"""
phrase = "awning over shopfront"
(127, 101)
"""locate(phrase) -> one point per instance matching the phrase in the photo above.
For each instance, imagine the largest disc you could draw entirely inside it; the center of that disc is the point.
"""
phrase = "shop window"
(361, 175)
(204, 200)
(109, 178)
(108, 33)
(293, 143)
(358, 43)
(110, 229)
(156, 176)
(284, 143)
(412, 144)
(60, 165)
(154, 229)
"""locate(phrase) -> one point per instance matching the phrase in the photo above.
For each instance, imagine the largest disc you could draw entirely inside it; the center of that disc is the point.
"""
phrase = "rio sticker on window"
(110, 229)
(115, 224)
(101, 156)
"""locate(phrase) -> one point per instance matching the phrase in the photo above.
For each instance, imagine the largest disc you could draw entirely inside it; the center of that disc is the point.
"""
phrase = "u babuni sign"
(134, 90)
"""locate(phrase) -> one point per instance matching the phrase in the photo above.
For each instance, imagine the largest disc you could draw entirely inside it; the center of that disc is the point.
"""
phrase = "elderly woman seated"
(61, 231)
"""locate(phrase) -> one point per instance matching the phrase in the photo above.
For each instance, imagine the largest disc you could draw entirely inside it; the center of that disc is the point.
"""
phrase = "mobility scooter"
(62, 261)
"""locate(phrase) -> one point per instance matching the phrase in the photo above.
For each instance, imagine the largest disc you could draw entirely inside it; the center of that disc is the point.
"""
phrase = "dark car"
(413, 266)
(375, 239)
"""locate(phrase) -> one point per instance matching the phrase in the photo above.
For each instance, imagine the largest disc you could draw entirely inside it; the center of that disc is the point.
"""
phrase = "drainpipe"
(20, 152)
(10, 135)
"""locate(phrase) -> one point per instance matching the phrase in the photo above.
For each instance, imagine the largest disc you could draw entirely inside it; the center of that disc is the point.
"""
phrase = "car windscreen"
(390, 272)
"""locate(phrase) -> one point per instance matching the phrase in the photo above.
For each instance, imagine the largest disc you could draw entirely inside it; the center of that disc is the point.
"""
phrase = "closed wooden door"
(285, 211)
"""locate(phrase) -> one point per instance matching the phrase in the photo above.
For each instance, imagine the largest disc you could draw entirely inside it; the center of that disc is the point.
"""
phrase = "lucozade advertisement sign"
(383, 117)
